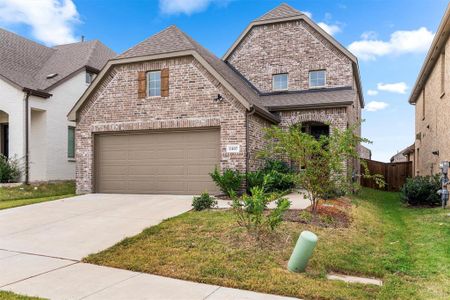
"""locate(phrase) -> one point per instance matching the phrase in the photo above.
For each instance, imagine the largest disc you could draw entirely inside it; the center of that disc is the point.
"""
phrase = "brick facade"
(289, 47)
(115, 107)
(292, 47)
(431, 119)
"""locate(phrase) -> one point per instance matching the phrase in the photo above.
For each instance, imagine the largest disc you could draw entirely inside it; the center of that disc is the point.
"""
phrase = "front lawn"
(12, 296)
(407, 248)
(30, 194)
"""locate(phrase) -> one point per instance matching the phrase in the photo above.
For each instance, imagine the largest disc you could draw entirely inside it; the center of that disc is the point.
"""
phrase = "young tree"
(322, 162)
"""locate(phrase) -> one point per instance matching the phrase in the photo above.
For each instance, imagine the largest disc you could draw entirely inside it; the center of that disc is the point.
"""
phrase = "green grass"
(407, 248)
(12, 296)
(30, 194)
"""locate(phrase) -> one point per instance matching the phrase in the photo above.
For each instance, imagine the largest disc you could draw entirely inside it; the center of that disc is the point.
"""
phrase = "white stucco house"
(38, 87)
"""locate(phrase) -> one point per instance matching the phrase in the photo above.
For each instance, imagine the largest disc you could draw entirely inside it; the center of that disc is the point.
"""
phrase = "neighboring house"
(431, 97)
(365, 152)
(405, 155)
(38, 87)
(163, 114)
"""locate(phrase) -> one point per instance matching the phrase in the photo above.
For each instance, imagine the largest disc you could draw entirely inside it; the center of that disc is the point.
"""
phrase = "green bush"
(204, 201)
(250, 211)
(422, 190)
(229, 182)
(9, 169)
(275, 176)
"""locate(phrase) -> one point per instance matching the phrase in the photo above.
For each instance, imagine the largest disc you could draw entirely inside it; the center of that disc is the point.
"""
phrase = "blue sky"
(389, 37)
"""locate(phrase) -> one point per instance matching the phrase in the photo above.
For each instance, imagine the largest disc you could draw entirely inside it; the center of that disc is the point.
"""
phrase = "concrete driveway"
(41, 246)
(75, 227)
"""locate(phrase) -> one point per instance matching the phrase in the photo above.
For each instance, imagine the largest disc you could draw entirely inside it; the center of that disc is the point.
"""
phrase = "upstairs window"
(317, 79)
(280, 82)
(89, 77)
(154, 83)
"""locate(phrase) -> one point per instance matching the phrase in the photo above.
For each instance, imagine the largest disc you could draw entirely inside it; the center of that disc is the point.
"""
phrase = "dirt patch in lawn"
(334, 213)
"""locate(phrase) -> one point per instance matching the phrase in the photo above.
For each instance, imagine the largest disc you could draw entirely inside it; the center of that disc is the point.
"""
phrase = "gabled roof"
(432, 57)
(281, 11)
(26, 63)
(172, 42)
(286, 13)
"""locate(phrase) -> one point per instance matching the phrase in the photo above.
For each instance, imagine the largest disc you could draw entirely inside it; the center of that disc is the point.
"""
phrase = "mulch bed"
(330, 213)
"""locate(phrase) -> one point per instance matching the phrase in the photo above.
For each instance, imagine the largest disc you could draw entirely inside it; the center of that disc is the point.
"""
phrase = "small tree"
(322, 162)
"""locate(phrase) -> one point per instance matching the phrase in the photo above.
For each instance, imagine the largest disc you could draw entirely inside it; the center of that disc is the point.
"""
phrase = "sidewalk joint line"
(23, 279)
(43, 255)
(219, 287)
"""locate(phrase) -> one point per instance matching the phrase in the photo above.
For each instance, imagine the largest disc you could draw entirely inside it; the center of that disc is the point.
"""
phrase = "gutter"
(27, 135)
(247, 139)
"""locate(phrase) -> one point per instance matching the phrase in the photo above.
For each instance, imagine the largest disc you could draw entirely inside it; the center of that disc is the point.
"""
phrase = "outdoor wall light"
(435, 152)
(219, 98)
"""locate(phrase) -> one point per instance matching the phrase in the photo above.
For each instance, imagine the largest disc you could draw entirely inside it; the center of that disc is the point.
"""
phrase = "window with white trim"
(317, 78)
(154, 83)
(280, 82)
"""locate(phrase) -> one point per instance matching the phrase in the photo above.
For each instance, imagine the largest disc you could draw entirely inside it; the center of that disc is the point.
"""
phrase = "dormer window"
(317, 79)
(280, 82)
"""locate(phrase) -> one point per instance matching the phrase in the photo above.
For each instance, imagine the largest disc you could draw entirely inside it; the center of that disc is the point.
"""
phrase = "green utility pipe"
(302, 251)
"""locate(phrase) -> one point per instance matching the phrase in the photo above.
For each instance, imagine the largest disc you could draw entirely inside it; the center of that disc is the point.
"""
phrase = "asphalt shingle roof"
(173, 39)
(281, 11)
(27, 63)
(309, 98)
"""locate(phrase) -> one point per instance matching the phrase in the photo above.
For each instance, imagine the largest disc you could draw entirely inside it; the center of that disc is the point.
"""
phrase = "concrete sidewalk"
(56, 278)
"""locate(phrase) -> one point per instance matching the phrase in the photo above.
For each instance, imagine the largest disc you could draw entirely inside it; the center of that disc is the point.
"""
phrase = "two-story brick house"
(430, 97)
(163, 114)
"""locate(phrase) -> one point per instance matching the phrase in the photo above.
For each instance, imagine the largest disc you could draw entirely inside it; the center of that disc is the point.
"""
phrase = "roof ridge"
(281, 11)
(91, 51)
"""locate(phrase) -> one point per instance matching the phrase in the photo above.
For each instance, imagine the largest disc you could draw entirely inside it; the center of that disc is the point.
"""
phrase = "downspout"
(247, 139)
(27, 134)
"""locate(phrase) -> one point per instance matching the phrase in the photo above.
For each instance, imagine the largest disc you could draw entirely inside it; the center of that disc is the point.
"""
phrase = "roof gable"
(281, 11)
(285, 13)
(172, 42)
(27, 64)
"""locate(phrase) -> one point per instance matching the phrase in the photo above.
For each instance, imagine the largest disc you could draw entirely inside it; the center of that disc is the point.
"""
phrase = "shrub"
(204, 201)
(9, 169)
(275, 176)
(229, 182)
(250, 211)
(422, 190)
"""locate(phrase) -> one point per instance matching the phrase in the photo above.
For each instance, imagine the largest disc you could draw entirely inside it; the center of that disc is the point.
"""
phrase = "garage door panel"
(177, 162)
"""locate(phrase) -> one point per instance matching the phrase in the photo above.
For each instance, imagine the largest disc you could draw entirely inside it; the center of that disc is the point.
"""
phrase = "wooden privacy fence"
(394, 174)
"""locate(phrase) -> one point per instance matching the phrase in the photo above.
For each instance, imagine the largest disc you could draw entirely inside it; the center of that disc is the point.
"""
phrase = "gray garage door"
(174, 162)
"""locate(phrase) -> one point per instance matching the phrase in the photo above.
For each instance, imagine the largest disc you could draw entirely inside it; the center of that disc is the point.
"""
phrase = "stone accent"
(115, 106)
(290, 47)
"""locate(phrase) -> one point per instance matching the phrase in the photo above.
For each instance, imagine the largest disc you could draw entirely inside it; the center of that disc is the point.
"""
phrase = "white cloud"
(188, 7)
(400, 42)
(308, 14)
(51, 21)
(376, 105)
(330, 29)
(399, 87)
(372, 92)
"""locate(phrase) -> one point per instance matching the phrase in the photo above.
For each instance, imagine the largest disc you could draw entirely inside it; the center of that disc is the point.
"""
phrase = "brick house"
(430, 97)
(163, 114)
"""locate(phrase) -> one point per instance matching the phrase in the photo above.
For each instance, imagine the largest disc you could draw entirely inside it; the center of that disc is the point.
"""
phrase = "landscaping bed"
(35, 193)
(406, 248)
